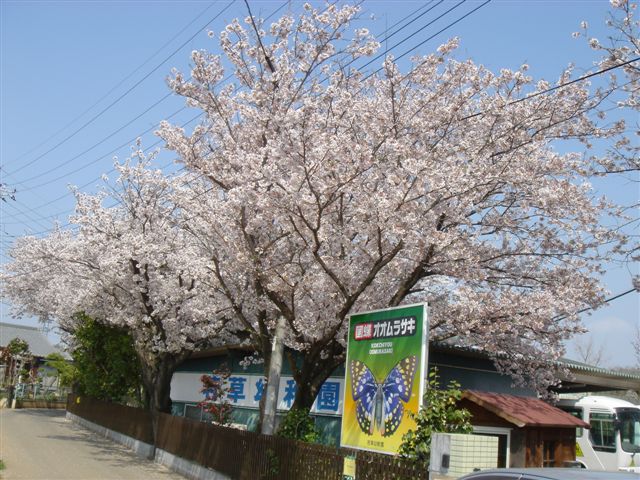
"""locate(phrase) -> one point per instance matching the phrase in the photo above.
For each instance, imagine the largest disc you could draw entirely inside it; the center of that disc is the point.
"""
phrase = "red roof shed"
(534, 433)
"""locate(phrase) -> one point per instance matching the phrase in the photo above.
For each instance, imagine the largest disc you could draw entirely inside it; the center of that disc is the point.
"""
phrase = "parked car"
(548, 474)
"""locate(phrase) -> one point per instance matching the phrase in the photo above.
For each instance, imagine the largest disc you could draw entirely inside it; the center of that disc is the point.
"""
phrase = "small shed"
(531, 432)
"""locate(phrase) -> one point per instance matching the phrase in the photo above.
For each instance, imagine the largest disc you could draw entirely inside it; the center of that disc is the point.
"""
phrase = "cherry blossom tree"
(622, 47)
(6, 192)
(320, 190)
(126, 265)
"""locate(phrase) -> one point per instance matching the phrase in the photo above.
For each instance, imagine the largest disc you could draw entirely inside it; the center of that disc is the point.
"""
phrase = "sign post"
(384, 384)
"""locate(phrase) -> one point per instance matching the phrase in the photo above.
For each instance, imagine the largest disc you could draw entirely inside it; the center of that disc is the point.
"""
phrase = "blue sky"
(64, 63)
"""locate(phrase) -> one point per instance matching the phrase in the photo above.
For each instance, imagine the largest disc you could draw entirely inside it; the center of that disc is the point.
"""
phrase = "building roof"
(523, 411)
(586, 368)
(582, 377)
(588, 378)
(39, 346)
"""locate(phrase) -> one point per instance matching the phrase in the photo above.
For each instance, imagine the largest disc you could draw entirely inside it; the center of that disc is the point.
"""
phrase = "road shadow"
(103, 449)
(78, 450)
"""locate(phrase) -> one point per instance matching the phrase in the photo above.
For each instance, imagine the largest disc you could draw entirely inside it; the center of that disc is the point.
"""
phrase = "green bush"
(440, 414)
(298, 425)
(105, 361)
(65, 370)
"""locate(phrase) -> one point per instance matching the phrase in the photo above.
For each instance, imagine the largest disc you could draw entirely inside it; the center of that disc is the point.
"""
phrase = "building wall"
(483, 417)
(473, 373)
(546, 444)
(470, 372)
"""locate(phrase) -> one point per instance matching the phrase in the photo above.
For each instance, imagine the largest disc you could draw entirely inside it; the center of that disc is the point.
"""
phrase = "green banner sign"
(386, 355)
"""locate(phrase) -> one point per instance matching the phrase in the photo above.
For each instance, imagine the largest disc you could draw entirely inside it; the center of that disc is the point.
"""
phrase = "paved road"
(41, 445)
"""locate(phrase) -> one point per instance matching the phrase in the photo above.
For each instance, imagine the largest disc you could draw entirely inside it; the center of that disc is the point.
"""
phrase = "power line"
(431, 38)
(95, 145)
(448, 26)
(388, 36)
(14, 216)
(117, 148)
(556, 87)
(229, 76)
(148, 149)
(416, 32)
(412, 14)
(22, 212)
(48, 217)
(99, 114)
(97, 102)
(608, 300)
(124, 126)
(543, 92)
(117, 131)
(173, 114)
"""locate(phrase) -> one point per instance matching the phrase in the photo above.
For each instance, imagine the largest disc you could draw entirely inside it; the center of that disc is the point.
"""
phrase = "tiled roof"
(523, 411)
(574, 365)
(37, 341)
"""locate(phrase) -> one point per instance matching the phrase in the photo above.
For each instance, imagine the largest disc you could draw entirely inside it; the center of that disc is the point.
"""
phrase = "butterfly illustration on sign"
(380, 406)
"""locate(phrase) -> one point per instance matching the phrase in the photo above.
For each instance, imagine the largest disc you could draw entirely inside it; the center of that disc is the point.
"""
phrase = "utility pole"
(273, 382)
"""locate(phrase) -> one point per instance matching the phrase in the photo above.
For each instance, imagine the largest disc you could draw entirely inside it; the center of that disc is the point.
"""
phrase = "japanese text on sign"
(247, 390)
(396, 327)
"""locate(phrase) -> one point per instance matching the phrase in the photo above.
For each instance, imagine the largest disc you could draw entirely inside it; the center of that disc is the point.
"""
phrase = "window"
(602, 433)
(576, 412)
(177, 409)
(629, 422)
(194, 412)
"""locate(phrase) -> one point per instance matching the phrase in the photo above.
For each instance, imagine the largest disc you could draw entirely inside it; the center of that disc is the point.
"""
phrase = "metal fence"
(40, 391)
(241, 454)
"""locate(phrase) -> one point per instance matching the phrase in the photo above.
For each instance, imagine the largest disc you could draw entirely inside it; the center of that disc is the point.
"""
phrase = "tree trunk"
(157, 383)
(270, 394)
(313, 373)
(266, 355)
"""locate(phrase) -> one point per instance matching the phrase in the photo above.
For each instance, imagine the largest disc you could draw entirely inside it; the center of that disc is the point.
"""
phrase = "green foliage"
(298, 425)
(440, 414)
(65, 370)
(25, 373)
(106, 362)
(52, 397)
(273, 464)
(17, 347)
(18, 357)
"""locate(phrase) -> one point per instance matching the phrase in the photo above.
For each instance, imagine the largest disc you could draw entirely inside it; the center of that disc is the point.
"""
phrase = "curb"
(174, 463)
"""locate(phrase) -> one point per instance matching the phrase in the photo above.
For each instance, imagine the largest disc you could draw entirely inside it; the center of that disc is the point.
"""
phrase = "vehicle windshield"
(629, 424)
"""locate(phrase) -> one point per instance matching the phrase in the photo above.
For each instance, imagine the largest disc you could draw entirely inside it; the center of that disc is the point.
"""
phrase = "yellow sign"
(579, 450)
(349, 468)
(384, 377)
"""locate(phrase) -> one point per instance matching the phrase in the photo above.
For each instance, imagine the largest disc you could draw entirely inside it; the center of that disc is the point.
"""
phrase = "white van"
(613, 441)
